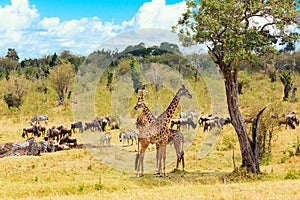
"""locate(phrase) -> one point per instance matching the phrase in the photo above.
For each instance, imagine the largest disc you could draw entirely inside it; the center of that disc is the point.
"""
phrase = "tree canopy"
(235, 32)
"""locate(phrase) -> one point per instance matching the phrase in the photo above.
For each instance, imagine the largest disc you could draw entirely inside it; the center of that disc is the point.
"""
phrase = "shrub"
(16, 89)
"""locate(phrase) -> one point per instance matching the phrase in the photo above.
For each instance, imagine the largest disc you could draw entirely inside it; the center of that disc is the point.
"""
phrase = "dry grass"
(80, 173)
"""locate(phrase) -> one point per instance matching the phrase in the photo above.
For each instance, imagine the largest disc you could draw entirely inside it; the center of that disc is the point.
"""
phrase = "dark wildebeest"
(92, 125)
(64, 131)
(290, 119)
(42, 129)
(77, 125)
(68, 140)
(52, 133)
(34, 130)
(216, 123)
(128, 135)
(39, 118)
(205, 118)
(103, 122)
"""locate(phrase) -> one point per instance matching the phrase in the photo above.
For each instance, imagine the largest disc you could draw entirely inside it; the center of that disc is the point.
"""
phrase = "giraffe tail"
(137, 156)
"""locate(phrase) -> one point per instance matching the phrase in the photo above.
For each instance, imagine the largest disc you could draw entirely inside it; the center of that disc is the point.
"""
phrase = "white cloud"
(22, 28)
(50, 23)
(15, 20)
(156, 14)
(17, 16)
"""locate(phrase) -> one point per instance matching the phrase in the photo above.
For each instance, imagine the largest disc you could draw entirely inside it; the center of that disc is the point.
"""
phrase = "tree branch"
(267, 24)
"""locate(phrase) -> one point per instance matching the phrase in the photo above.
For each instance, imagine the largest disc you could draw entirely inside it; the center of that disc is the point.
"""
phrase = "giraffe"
(176, 137)
(158, 132)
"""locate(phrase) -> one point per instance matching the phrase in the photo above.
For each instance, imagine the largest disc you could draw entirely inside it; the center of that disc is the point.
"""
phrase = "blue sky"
(41, 27)
(37, 28)
(106, 10)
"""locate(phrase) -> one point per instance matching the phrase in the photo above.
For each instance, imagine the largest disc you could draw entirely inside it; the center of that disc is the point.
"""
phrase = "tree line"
(60, 69)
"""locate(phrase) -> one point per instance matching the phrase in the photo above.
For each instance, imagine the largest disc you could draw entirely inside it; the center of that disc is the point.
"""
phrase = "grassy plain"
(78, 174)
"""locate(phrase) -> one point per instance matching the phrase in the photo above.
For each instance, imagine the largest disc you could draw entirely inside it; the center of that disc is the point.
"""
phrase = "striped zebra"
(128, 135)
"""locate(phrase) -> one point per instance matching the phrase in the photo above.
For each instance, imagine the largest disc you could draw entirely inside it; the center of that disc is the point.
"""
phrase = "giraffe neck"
(168, 113)
(148, 113)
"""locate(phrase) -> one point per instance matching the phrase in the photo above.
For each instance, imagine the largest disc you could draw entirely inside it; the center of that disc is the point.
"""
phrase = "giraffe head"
(183, 92)
(139, 104)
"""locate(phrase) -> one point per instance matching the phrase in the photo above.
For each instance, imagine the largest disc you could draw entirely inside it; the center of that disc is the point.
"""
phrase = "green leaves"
(237, 30)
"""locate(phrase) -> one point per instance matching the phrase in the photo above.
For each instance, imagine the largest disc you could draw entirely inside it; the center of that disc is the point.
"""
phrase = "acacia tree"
(61, 78)
(236, 32)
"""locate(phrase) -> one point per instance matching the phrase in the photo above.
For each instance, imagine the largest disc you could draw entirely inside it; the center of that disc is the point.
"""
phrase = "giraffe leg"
(140, 164)
(164, 159)
(177, 163)
(157, 155)
(183, 163)
(159, 160)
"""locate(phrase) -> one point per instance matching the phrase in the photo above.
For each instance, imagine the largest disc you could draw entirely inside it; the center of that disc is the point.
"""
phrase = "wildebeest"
(92, 125)
(77, 125)
(183, 122)
(59, 147)
(216, 123)
(290, 119)
(68, 140)
(38, 118)
(34, 130)
(128, 135)
(205, 118)
(42, 129)
(52, 133)
(105, 138)
(103, 122)
(64, 131)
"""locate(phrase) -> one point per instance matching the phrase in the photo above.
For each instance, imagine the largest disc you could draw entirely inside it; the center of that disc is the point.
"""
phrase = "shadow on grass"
(180, 177)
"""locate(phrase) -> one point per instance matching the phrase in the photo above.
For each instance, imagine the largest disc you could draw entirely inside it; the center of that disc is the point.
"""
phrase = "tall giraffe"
(176, 137)
(158, 133)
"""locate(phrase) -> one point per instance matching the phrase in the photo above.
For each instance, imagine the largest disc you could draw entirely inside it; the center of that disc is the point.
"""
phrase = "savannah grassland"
(76, 174)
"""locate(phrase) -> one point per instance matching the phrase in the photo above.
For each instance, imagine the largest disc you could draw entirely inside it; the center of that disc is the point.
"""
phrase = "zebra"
(43, 146)
(39, 118)
(128, 135)
(33, 148)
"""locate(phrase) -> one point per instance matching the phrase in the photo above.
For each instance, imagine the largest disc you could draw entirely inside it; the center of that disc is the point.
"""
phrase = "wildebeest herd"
(61, 134)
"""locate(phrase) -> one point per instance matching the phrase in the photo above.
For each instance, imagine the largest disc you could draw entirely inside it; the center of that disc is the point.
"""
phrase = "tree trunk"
(248, 157)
